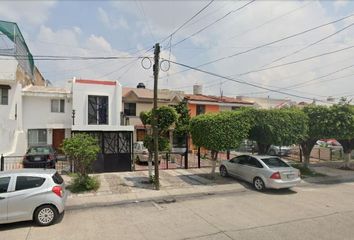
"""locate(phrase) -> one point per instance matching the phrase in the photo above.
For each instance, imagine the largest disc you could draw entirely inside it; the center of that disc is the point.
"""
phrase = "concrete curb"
(161, 197)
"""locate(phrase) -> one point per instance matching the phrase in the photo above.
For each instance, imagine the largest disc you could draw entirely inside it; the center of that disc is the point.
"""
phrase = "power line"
(239, 81)
(211, 24)
(141, 7)
(269, 21)
(186, 22)
(297, 61)
(270, 43)
(310, 45)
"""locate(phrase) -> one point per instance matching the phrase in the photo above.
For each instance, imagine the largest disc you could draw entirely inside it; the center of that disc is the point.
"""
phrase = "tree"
(181, 130)
(342, 124)
(219, 132)
(280, 127)
(82, 150)
(166, 117)
(319, 126)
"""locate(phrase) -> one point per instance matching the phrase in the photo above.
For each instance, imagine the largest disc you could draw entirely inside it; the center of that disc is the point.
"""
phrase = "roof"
(44, 89)
(145, 93)
(216, 99)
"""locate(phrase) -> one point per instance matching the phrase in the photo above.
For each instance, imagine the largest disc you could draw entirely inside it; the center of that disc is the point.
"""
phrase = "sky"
(315, 64)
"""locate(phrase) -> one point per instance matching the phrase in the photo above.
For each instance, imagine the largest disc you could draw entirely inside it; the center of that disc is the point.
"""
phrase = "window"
(254, 163)
(4, 184)
(243, 160)
(130, 109)
(4, 95)
(27, 182)
(200, 109)
(57, 178)
(235, 108)
(57, 105)
(97, 110)
(37, 137)
(274, 162)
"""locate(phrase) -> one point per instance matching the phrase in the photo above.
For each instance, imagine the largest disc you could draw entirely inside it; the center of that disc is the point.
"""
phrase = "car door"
(26, 196)
(4, 188)
(240, 166)
(253, 169)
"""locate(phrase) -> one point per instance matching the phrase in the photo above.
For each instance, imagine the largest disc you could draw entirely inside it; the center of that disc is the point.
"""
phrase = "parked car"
(262, 171)
(141, 152)
(329, 143)
(43, 156)
(31, 194)
(279, 150)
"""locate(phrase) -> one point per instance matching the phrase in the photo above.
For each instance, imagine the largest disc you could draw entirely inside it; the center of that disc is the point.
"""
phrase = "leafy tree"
(219, 132)
(342, 124)
(319, 126)
(82, 150)
(280, 127)
(183, 120)
(166, 117)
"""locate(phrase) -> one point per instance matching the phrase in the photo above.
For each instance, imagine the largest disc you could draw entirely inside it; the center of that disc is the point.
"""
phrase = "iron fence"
(16, 162)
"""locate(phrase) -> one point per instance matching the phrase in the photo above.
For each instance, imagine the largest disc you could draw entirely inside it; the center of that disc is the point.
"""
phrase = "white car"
(262, 171)
(31, 194)
(141, 152)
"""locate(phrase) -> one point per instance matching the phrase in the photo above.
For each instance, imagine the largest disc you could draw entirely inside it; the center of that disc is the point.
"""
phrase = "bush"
(83, 183)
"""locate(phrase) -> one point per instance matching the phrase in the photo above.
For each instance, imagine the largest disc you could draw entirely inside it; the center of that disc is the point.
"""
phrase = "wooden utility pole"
(154, 123)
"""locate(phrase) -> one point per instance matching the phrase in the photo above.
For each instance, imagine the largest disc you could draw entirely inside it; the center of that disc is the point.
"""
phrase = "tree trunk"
(348, 145)
(306, 147)
(263, 148)
(150, 165)
(214, 156)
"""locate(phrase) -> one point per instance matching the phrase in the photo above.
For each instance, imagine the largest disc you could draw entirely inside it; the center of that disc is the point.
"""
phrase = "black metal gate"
(116, 150)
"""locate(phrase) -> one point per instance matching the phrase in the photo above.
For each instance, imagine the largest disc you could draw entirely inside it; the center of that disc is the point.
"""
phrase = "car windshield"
(39, 150)
(274, 162)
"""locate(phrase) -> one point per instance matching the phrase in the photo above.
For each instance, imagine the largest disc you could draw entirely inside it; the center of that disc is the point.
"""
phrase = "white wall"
(37, 113)
(81, 91)
(10, 125)
(8, 69)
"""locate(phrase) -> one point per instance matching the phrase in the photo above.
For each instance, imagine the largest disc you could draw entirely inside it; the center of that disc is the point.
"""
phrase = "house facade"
(140, 99)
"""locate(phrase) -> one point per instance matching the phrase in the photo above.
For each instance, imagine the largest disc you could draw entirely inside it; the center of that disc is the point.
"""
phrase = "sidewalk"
(132, 187)
(125, 187)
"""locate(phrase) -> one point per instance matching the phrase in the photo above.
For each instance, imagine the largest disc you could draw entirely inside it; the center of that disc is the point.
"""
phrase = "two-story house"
(140, 99)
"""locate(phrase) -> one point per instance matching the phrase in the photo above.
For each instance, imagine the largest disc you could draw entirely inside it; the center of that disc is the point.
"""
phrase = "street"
(307, 212)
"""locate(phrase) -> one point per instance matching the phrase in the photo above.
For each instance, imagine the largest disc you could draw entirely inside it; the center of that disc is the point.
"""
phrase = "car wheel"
(45, 215)
(223, 171)
(258, 184)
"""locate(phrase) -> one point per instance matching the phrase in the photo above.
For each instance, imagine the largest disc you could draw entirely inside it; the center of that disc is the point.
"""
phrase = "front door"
(58, 138)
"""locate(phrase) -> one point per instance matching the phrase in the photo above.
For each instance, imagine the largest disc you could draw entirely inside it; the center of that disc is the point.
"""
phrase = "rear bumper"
(278, 183)
(28, 164)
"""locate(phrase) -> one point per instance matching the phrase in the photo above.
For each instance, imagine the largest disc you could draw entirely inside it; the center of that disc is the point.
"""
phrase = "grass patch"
(84, 184)
(307, 172)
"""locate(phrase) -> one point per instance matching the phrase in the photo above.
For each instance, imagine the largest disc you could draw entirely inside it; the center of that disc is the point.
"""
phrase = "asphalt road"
(307, 212)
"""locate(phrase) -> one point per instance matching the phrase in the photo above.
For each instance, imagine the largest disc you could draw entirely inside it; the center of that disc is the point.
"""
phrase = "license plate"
(290, 176)
(37, 158)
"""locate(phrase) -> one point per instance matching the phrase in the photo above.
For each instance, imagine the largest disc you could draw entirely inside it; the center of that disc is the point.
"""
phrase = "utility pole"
(154, 123)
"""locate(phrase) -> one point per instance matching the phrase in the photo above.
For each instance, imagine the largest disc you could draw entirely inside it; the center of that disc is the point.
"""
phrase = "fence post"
(198, 157)
(186, 154)
(167, 159)
(330, 154)
(319, 153)
(2, 163)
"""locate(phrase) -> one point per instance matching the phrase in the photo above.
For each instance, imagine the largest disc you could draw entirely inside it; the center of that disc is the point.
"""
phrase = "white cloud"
(99, 43)
(112, 22)
(26, 12)
(340, 4)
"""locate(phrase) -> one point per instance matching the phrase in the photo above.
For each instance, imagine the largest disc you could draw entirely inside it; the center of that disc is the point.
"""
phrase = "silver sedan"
(262, 171)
